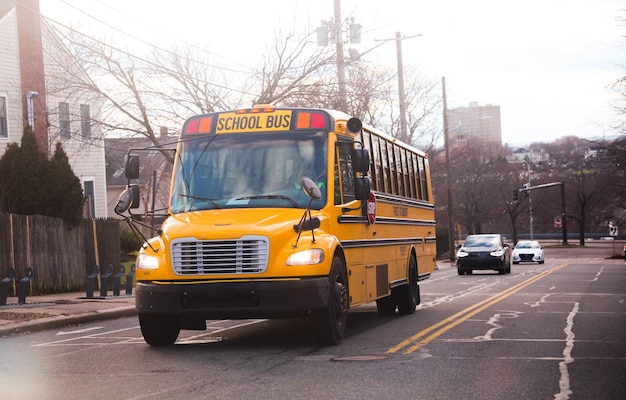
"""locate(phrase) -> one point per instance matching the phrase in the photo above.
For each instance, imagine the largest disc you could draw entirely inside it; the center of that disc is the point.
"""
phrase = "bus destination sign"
(279, 120)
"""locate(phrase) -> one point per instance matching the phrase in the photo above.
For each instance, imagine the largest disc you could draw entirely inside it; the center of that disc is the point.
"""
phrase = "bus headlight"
(145, 261)
(306, 257)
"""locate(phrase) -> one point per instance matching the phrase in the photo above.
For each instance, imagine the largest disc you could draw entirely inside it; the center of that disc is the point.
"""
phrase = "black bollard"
(23, 286)
(104, 281)
(4, 286)
(130, 277)
(117, 281)
(91, 281)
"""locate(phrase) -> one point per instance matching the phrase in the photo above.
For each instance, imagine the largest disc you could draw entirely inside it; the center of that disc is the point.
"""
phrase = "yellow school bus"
(285, 212)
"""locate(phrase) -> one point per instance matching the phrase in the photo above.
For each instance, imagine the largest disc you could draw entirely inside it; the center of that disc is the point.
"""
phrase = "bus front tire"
(158, 330)
(330, 322)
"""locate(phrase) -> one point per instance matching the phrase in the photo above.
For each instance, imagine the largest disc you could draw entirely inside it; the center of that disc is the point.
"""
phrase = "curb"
(60, 321)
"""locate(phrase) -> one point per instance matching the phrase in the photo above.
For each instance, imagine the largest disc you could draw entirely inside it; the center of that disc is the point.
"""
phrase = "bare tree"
(292, 75)
(143, 93)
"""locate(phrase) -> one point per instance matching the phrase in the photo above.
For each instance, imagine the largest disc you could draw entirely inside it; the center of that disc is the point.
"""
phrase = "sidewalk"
(58, 310)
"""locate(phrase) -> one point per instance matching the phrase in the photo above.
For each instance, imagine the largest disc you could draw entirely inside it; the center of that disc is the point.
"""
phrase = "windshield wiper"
(272, 196)
(207, 199)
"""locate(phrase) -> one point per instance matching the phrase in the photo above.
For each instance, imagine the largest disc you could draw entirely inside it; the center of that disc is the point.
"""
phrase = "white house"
(32, 93)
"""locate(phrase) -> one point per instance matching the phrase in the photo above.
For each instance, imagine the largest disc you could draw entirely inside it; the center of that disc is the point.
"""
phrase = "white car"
(528, 251)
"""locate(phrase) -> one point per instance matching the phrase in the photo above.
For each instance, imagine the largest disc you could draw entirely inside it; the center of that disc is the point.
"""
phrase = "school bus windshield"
(249, 170)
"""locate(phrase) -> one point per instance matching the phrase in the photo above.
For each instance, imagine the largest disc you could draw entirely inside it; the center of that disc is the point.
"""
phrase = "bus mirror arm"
(314, 193)
(124, 202)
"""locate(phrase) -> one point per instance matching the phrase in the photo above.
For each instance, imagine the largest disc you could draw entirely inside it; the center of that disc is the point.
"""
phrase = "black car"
(481, 252)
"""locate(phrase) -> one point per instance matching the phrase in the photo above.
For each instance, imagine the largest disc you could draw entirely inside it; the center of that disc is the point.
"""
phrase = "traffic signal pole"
(563, 214)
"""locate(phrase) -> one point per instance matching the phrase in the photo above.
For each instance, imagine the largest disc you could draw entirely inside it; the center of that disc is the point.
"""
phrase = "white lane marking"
(196, 338)
(95, 339)
(78, 331)
(77, 338)
(493, 321)
(450, 297)
(539, 302)
(598, 274)
(564, 382)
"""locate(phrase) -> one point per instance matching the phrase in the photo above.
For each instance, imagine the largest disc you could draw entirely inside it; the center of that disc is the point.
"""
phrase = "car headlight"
(145, 261)
(306, 257)
(461, 253)
(497, 253)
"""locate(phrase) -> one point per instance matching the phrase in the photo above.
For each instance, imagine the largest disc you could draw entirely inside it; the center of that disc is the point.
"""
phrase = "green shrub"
(129, 243)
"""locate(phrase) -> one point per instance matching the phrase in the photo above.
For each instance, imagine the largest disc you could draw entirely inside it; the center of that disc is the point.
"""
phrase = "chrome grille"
(247, 255)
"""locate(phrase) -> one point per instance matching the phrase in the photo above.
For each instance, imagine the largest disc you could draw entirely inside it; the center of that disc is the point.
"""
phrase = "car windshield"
(248, 170)
(527, 245)
(482, 241)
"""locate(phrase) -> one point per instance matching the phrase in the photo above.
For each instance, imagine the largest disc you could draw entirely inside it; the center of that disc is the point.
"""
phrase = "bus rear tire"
(409, 295)
(330, 323)
(158, 330)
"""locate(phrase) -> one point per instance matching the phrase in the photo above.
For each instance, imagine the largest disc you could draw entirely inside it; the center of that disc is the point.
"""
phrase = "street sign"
(613, 231)
(557, 222)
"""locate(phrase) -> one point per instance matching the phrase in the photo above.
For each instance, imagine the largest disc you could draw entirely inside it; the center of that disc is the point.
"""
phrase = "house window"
(64, 119)
(4, 125)
(85, 120)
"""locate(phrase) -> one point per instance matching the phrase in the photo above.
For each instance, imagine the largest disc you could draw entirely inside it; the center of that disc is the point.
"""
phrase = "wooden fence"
(61, 257)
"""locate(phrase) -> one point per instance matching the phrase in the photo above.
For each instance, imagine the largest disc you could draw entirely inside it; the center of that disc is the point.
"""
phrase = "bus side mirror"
(362, 188)
(361, 160)
(129, 198)
(132, 166)
(311, 189)
(134, 188)
(124, 201)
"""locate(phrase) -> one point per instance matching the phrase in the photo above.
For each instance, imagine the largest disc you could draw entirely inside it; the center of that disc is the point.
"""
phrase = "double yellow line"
(425, 336)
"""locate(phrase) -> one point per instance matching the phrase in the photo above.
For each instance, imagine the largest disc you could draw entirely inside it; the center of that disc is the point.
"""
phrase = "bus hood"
(232, 223)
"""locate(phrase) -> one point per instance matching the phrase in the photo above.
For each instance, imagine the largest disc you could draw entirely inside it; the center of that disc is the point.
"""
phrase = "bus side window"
(344, 173)
(412, 174)
(424, 183)
(418, 177)
(378, 177)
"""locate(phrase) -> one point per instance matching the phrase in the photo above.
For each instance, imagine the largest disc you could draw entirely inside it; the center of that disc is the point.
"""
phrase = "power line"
(110, 46)
(156, 30)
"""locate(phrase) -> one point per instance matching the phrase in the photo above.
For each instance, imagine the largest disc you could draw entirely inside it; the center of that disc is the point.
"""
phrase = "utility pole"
(334, 30)
(403, 126)
(446, 145)
(404, 134)
(341, 72)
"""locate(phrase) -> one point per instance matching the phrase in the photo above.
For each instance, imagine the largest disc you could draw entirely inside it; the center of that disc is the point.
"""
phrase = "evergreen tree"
(32, 185)
(66, 197)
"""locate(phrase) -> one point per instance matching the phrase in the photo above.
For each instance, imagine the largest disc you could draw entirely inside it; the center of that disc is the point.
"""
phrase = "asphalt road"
(551, 331)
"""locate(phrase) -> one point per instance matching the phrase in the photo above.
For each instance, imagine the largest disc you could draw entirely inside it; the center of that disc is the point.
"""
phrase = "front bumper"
(526, 257)
(480, 262)
(233, 300)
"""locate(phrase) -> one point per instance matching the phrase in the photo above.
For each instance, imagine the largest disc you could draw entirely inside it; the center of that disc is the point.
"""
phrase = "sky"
(549, 64)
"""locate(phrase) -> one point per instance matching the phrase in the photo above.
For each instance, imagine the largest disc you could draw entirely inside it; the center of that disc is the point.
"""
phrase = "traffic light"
(516, 194)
